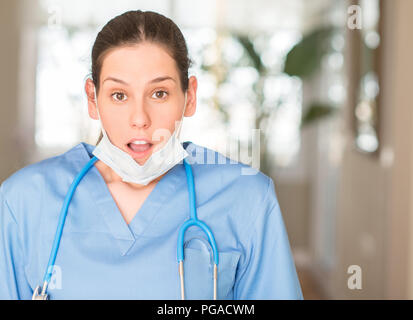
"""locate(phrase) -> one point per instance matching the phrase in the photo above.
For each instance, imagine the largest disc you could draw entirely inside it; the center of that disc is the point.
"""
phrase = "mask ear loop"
(97, 109)
(100, 119)
(96, 101)
(178, 131)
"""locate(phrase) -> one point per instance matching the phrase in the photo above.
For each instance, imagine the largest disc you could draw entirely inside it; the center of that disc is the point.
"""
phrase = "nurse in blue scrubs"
(119, 239)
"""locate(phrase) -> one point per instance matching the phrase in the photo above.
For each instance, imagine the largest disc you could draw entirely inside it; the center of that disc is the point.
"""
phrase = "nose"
(139, 116)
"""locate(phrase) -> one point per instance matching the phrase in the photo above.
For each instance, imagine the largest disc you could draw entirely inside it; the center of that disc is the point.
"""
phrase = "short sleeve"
(268, 270)
(13, 283)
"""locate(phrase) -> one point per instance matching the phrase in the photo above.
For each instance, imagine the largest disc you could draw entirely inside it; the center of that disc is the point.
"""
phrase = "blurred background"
(326, 82)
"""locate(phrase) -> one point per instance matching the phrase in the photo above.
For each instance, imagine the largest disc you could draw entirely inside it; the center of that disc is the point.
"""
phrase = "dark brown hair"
(133, 27)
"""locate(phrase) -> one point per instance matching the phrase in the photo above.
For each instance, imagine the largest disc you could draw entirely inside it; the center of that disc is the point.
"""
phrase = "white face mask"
(128, 169)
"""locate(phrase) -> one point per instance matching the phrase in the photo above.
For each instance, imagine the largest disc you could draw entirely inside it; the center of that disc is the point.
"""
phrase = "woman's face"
(140, 98)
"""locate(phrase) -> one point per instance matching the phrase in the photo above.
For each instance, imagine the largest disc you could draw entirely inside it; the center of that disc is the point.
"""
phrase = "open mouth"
(139, 149)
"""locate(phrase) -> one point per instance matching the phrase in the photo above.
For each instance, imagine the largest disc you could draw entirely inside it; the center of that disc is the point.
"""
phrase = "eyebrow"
(158, 79)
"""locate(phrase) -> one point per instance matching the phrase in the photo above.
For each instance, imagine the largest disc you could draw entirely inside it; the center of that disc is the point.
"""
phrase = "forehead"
(138, 64)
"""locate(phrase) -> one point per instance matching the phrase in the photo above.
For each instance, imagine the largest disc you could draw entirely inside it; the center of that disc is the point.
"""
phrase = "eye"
(160, 94)
(119, 96)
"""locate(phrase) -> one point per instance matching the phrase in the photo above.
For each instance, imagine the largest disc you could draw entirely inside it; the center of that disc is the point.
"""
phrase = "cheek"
(115, 125)
(167, 127)
(165, 119)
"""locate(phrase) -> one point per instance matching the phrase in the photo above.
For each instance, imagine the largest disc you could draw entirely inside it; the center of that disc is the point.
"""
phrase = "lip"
(140, 154)
(142, 139)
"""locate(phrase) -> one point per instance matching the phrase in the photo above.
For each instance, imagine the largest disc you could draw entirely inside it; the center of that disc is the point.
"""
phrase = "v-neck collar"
(126, 235)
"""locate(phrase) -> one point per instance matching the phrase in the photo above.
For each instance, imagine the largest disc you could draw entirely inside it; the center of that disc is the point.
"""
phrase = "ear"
(191, 97)
(91, 103)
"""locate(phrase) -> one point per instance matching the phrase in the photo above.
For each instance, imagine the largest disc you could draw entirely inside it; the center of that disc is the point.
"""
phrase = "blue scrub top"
(102, 257)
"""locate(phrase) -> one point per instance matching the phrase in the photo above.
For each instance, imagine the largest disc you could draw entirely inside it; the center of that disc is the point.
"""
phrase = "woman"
(119, 239)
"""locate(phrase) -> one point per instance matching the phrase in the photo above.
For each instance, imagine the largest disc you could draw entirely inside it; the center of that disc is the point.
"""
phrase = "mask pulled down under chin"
(171, 153)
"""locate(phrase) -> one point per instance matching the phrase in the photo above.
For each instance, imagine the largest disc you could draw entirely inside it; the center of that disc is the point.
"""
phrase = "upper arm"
(13, 283)
(268, 270)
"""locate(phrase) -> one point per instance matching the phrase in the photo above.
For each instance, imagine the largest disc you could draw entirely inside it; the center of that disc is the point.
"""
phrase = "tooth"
(139, 142)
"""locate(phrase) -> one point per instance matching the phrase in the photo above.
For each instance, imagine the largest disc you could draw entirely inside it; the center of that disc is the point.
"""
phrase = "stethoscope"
(40, 293)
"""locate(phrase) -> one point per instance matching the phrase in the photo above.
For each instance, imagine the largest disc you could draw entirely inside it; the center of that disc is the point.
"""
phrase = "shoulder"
(240, 196)
(238, 180)
(31, 181)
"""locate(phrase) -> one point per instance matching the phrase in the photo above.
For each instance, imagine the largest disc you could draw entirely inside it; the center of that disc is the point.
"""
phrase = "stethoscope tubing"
(62, 219)
(192, 221)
